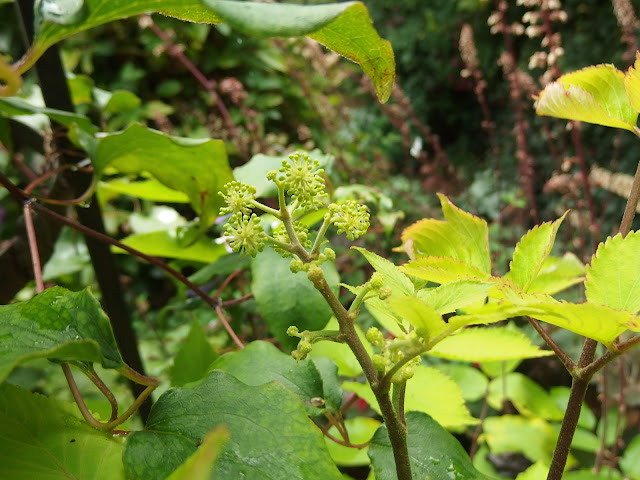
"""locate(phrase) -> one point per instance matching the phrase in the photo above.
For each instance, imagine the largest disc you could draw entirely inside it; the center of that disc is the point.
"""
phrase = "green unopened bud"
(375, 337)
(315, 274)
(377, 280)
(271, 175)
(385, 292)
(293, 331)
(296, 266)
(330, 254)
(379, 362)
(305, 347)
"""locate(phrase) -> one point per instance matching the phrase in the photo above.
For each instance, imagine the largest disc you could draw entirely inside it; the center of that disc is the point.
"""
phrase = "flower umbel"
(350, 218)
(246, 234)
(302, 232)
(302, 179)
(238, 197)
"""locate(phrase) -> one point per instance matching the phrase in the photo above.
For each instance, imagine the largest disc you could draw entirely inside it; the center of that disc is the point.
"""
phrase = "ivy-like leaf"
(56, 324)
(462, 236)
(531, 252)
(487, 344)
(198, 168)
(594, 94)
(433, 452)
(45, 438)
(613, 278)
(447, 407)
(268, 426)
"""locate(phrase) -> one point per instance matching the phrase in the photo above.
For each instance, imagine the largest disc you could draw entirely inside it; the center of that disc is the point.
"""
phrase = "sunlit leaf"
(165, 243)
(533, 437)
(442, 269)
(632, 84)
(613, 278)
(393, 276)
(360, 430)
(457, 294)
(529, 398)
(557, 274)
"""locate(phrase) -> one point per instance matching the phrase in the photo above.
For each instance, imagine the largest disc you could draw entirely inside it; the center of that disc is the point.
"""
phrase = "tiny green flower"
(350, 218)
(302, 232)
(302, 179)
(296, 265)
(377, 280)
(315, 274)
(238, 197)
(245, 233)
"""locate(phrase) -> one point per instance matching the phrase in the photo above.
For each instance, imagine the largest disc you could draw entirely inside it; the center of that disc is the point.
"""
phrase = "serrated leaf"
(343, 27)
(268, 426)
(199, 465)
(632, 84)
(529, 398)
(462, 236)
(613, 278)
(487, 344)
(360, 430)
(192, 361)
(291, 299)
(447, 407)
(454, 295)
(531, 252)
(594, 94)
(393, 276)
(45, 438)
(199, 168)
(442, 270)
(166, 243)
(56, 324)
(418, 314)
(557, 274)
(382, 312)
(533, 437)
(433, 452)
(261, 362)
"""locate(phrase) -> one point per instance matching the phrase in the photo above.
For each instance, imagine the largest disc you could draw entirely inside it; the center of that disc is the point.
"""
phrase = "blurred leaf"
(433, 452)
(532, 251)
(46, 438)
(614, 274)
(16, 106)
(594, 94)
(340, 353)
(533, 437)
(471, 381)
(537, 471)
(360, 430)
(630, 461)
(560, 395)
(261, 362)
(56, 324)
(292, 299)
(529, 398)
(198, 168)
(447, 407)
(166, 244)
(268, 427)
(122, 101)
(70, 255)
(487, 344)
(192, 361)
(158, 218)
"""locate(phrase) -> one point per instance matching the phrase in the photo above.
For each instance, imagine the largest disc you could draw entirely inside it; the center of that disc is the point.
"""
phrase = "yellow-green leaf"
(442, 270)
(613, 278)
(594, 94)
(632, 84)
(419, 314)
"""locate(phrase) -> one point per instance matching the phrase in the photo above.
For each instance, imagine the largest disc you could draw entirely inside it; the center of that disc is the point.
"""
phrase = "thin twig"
(33, 246)
(564, 358)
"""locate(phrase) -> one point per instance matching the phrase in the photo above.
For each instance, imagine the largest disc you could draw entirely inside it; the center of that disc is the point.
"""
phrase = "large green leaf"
(442, 269)
(462, 236)
(449, 297)
(433, 452)
(270, 433)
(192, 361)
(533, 437)
(613, 278)
(43, 438)
(343, 27)
(57, 324)
(198, 168)
(531, 252)
(447, 407)
(632, 84)
(529, 398)
(594, 94)
(487, 344)
(199, 465)
(471, 380)
(285, 298)
(261, 362)
(419, 314)
(149, 189)
(557, 274)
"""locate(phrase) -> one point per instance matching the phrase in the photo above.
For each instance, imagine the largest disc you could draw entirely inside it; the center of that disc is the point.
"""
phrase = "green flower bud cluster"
(298, 265)
(302, 232)
(350, 218)
(303, 180)
(307, 339)
(245, 233)
(239, 198)
(394, 350)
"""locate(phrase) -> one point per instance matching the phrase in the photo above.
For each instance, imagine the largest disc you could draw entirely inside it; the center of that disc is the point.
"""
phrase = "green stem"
(357, 302)
(320, 237)
(97, 381)
(632, 204)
